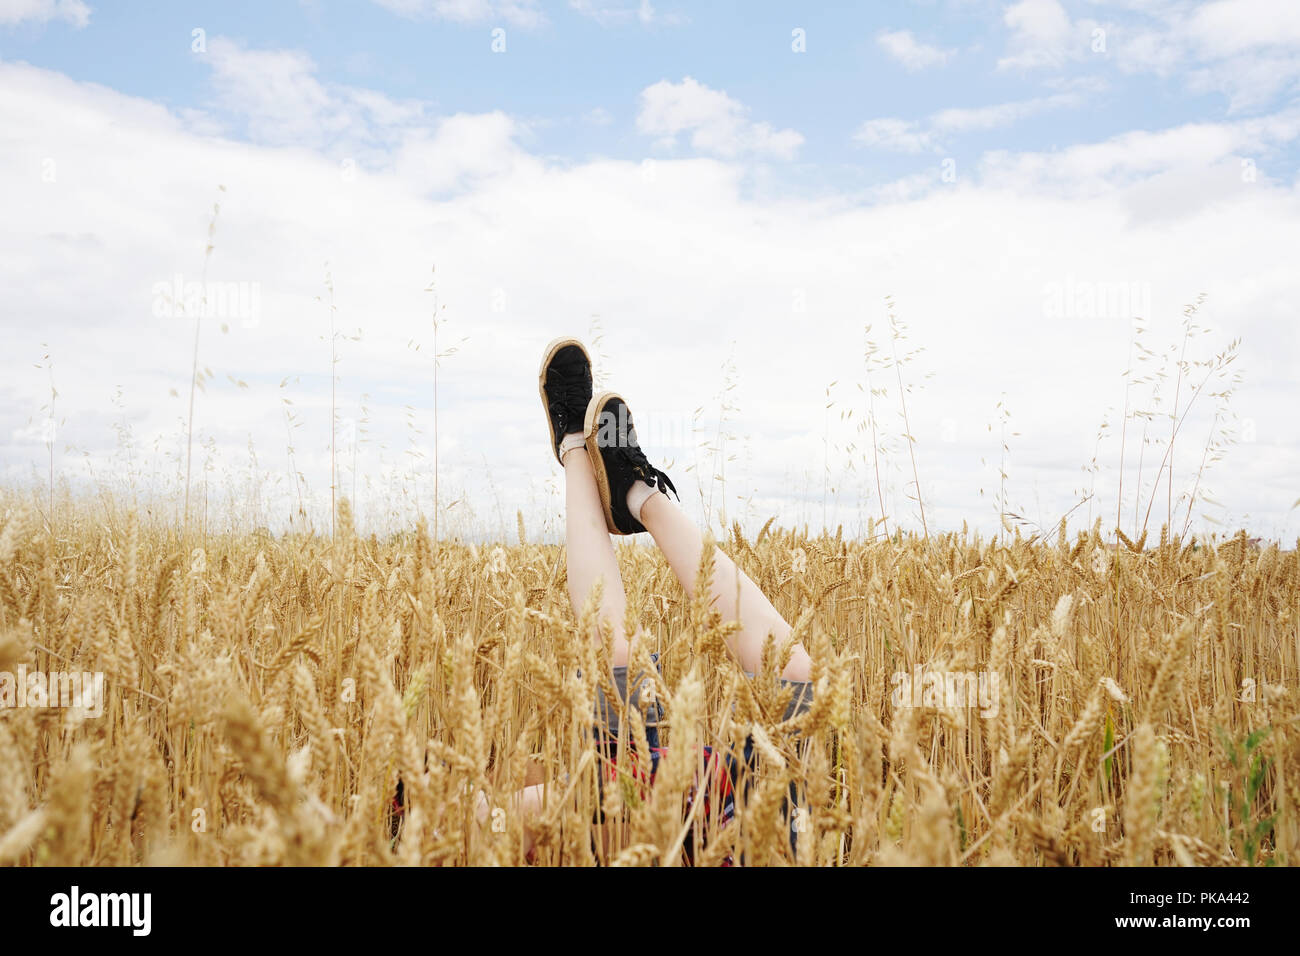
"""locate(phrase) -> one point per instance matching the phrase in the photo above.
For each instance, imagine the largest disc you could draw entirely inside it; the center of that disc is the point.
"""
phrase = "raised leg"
(734, 594)
(590, 552)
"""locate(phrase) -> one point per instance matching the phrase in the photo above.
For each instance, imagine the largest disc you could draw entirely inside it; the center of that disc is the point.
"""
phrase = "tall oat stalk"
(50, 431)
(869, 358)
(896, 332)
(334, 380)
(196, 381)
(1188, 312)
(439, 353)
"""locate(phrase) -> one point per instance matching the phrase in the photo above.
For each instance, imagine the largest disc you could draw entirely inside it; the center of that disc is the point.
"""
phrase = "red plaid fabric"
(718, 791)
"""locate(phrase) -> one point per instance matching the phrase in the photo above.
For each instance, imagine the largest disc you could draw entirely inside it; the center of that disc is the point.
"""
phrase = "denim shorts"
(722, 779)
(716, 787)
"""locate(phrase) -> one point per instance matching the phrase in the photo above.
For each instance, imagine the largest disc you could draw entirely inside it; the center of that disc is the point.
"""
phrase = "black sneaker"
(565, 385)
(618, 460)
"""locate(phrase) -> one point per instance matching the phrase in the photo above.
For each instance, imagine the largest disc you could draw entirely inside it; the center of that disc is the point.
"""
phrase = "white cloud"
(717, 124)
(1229, 27)
(899, 135)
(278, 95)
(1148, 51)
(1043, 36)
(1040, 33)
(903, 47)
(276, 89)
(1248, 50)
(617, 13)
(1091, 168)
(464, 150)
(935, 132)
(1000, 115)
(520, 13)
(43, 11)
(1249, 81)
(106, 194)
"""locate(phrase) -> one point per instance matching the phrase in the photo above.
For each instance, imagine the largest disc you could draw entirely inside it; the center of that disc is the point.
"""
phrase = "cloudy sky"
(719, 199)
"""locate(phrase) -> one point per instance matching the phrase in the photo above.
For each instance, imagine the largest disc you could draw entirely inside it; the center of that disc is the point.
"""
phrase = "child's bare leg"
(734, 594)
(526, 803)
(590, 552)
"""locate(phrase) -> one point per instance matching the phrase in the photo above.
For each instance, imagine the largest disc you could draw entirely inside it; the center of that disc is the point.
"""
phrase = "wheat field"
(265, 695)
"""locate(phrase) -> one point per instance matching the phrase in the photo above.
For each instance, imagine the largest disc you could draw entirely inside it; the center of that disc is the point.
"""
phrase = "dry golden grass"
(266, 694)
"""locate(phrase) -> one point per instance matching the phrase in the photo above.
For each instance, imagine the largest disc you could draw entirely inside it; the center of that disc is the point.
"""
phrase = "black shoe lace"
(641, 467)
(567, 394)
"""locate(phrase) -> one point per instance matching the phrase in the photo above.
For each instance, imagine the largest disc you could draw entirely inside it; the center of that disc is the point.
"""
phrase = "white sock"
(571, 441)
(637, 496)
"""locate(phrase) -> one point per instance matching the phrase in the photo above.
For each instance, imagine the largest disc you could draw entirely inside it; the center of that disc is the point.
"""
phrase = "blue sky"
(573, 72)
(710, 193)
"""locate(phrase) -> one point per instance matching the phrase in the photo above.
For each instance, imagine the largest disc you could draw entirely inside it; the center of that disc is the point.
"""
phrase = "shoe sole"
(551, 349)
(589, 433)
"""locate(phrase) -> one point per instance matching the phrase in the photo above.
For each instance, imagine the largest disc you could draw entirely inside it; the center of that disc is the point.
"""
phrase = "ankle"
(571, 442)
(637, 496)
